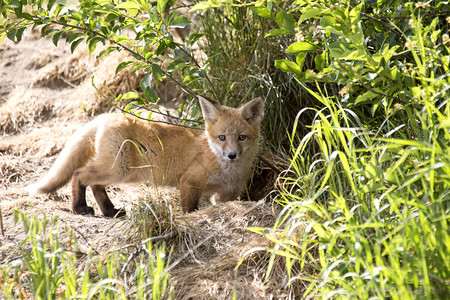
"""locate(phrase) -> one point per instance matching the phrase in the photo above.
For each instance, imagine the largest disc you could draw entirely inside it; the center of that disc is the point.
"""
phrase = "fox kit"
(114, 149)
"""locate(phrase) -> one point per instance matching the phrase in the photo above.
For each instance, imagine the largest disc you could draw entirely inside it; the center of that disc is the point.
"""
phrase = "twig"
(1, 224)
(139, 249)
(270, 165)
(159, 238)
(80, 233)
(167, 115)
(139, 117)
(385, 25)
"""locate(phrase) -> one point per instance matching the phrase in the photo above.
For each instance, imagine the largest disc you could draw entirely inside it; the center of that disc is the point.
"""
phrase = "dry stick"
(81, 234)
(1, 223)
(270, 165)
(138, 250)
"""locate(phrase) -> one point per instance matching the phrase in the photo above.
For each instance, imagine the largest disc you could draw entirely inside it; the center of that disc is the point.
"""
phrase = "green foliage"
(367, 203)
(142, 28)
(45, 268)
(241, 66)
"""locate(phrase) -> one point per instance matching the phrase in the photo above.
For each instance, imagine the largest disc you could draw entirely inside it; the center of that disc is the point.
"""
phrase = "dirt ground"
(45, 95)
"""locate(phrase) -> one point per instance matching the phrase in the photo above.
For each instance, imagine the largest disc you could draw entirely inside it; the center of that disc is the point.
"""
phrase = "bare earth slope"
(45, 94)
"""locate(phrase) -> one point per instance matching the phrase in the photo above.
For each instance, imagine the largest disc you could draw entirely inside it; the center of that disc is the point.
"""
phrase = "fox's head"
(232, 131)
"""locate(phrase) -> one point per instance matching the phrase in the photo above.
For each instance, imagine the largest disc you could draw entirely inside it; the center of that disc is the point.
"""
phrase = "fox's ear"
(210, 111)
(253, 111)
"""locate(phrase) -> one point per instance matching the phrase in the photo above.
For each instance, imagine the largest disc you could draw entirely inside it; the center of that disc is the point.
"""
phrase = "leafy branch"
(102, 21)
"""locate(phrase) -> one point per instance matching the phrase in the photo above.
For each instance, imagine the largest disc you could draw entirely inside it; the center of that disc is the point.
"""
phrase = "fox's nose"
(232, 155)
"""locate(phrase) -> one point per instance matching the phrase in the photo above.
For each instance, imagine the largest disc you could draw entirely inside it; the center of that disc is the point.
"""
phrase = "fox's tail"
(76, 153)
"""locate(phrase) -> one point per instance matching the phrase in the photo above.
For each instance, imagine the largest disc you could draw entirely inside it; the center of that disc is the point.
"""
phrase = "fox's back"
(155, 152)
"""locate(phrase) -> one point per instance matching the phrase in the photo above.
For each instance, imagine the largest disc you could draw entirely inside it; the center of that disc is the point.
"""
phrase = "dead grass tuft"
(23, 107)
(69, 72)
(216, 241)
(213, 255)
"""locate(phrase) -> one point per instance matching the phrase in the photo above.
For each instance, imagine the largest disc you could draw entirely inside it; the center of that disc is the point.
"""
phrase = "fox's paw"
(83, 210)
(116, 213)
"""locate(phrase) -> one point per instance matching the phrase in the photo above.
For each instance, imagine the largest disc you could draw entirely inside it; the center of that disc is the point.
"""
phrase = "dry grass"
(23, 107)
(213, 255)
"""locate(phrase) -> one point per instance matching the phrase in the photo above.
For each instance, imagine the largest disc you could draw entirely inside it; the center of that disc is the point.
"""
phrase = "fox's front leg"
(190, 193)
(224, 197)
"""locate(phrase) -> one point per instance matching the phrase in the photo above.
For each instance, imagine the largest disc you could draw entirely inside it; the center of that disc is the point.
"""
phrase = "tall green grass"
(373, 221)
(44, 267)
(366, 198)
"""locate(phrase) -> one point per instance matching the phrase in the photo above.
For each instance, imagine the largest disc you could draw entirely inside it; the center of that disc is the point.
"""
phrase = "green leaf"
(319, 60)
(130, 95)
(20, 33)
(131, 7)
(157, 72)
(300, 59)
(367, 96)
(340, 49)
(73, 36)
(146, 86)
(278, 31)
(205, 5)
(50, 4)
(355, 14)
(146, 82)
(330, 24)
(194, 37)
(310, 13)
(58, 9)
(161, 5)
(123, 65)
(122, 38)
(262, 11)
(150, 95)
(138, 66)
(286, 21)
(75, 44)
(93, 43)
(189, 79)
(180, 22)
(56, 37)
(288, 66)
(176, 65)
(297, 47)
(11, 34)
(106, 51)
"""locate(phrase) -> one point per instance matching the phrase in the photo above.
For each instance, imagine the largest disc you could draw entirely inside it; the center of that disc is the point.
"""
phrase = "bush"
(367, 205)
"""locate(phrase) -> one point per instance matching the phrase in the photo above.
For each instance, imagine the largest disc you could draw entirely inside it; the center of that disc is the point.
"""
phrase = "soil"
(45, 95)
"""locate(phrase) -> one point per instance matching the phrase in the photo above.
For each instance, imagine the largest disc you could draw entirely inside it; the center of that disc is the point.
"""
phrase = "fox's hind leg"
(105, 203)
(79, 205)
(96, 178)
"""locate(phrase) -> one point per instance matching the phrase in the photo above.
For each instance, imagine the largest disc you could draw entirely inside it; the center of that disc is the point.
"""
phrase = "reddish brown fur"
(115, 148)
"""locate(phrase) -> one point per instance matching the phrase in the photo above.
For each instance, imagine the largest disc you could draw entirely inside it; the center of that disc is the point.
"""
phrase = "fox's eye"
(222, 137)
(242, 137)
